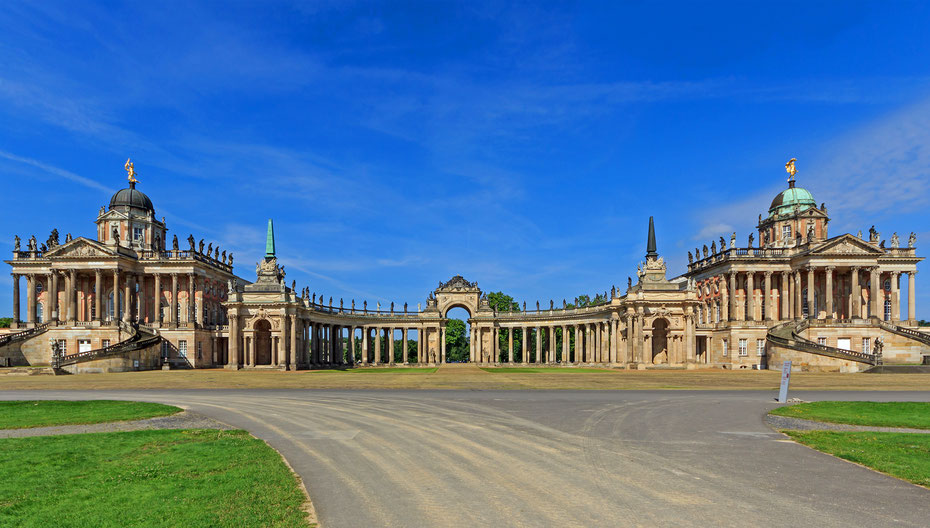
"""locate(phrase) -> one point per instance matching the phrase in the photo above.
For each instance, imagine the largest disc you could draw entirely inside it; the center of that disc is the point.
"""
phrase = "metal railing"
(22, 336)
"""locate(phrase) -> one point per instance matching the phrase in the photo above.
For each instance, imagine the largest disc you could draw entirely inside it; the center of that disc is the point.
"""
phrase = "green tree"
(456, 341)
(6, 322)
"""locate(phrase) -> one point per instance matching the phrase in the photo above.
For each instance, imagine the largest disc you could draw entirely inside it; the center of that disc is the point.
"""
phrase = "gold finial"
(791, 169)
(131, 171)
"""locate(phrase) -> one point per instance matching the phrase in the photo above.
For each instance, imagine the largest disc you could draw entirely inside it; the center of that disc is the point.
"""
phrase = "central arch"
(263, 342)
(457, 333)
(660, 341)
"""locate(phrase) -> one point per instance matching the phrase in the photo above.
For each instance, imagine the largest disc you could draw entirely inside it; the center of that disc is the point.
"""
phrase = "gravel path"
(181, 420)
(797, 424)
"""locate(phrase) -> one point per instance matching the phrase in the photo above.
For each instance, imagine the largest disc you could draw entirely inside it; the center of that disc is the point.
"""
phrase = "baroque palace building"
(127, 300)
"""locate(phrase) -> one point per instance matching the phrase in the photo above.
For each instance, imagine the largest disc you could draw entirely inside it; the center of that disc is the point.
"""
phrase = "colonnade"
(802, 293)
(74, 296)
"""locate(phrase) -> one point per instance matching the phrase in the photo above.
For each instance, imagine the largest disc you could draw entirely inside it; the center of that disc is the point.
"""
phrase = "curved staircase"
(138, 340)
(8, 339)
(905, 332)
(787, 335)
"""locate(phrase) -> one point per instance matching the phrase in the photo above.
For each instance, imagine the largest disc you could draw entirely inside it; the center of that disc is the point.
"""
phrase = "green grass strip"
(190, 478)
(914, 415)
(41, 413)
(411, 370)
(902, 455)
(516, 370)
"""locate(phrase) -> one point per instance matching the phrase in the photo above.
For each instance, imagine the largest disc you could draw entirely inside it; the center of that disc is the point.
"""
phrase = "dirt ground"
(468, 377)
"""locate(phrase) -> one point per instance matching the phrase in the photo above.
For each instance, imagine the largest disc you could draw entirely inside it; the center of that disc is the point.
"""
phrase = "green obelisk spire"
(269, 241)
(651, 241)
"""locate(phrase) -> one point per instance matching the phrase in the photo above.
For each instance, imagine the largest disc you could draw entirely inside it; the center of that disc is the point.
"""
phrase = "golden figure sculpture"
(791, 169)
(131, 171)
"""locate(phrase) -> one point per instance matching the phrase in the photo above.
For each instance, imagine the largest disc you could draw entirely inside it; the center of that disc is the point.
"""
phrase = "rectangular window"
(760, 347)
(105, 343)
(63, 346)
(165, 348)
(743, 348)
(822, 341)
(137, 233)
(716, 313)
(786, 233)
(199, 349)
(182, 348)
(865, 345)
(725, 348)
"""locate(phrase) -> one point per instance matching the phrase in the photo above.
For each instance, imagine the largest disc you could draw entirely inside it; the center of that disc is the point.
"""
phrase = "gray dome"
(132, 198)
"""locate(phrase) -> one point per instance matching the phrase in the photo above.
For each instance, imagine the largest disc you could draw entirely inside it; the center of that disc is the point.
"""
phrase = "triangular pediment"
(846, 245)
(81, 247)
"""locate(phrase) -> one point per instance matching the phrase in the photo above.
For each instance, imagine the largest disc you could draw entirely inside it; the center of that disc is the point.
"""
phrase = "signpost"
(785, 378)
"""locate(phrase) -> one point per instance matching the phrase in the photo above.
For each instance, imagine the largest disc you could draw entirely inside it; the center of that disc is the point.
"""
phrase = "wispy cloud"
(87, 182)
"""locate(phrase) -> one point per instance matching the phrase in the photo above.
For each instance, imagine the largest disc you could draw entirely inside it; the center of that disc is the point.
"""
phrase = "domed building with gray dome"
(127, 299)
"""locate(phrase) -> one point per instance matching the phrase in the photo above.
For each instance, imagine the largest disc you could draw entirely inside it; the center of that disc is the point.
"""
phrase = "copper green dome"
(132, 198)
(787, 199)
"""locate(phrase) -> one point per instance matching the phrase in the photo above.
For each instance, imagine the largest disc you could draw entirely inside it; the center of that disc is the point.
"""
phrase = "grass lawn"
(902, 455)
(547, 370)
(41, 413)
(188, 478)
(914, 415)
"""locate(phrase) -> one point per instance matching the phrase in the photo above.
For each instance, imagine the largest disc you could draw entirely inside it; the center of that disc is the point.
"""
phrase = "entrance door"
(83, 345)
(844, 343)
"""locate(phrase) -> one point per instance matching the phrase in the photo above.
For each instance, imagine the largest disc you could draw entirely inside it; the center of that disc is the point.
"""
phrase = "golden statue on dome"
(130, 169)
(791, 169)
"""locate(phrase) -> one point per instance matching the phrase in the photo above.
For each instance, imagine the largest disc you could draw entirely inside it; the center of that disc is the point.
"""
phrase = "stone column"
(895, 297)
(30, 299)
(292, 358)
(783, 297)
(52, 304)
(173, 316)
(856, 293)
(912, 296)
(523, 345)
(127, 298)
(16, 318)
(351, 355)
(404, 352)
(199, 307)
(724, 299)
(495, 345)
(442, 335)
(614, 339)
(828, 291)
(232, 362)
(72, 297)
(811, 286)
(510, 345)
(566, 349)
(191, 300)
(768, 299)
(874, 296)
(365, 334)
(598, 342)
(734, 313)
(539, 351)
(390, 347)
(751, 296)
(156, 301)
(579, 345)
(553, 349)
(377, 346)
(798, 293)
(331, 344)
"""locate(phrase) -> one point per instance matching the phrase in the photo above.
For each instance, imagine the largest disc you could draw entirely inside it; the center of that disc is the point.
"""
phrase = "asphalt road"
(560, 458)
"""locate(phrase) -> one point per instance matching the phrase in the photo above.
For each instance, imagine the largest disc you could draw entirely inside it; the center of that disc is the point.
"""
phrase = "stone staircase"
(138, 340)
(787, 335)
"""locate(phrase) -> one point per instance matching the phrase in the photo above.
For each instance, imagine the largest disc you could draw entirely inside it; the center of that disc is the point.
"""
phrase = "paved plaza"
(553, 458)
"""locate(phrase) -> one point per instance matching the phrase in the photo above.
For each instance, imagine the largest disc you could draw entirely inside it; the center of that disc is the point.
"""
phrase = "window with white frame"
(104, 343)
(137, 233)
(786, 232)
(700, 316)
(182, 348)
(760, 347)
(822, 341)
(725, 347)
(63, 346)
(887, 309)
(865, 345)
(716, 313)
(743, 348)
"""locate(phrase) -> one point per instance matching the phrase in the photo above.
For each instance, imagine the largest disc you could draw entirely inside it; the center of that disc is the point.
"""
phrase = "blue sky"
(397, 144)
